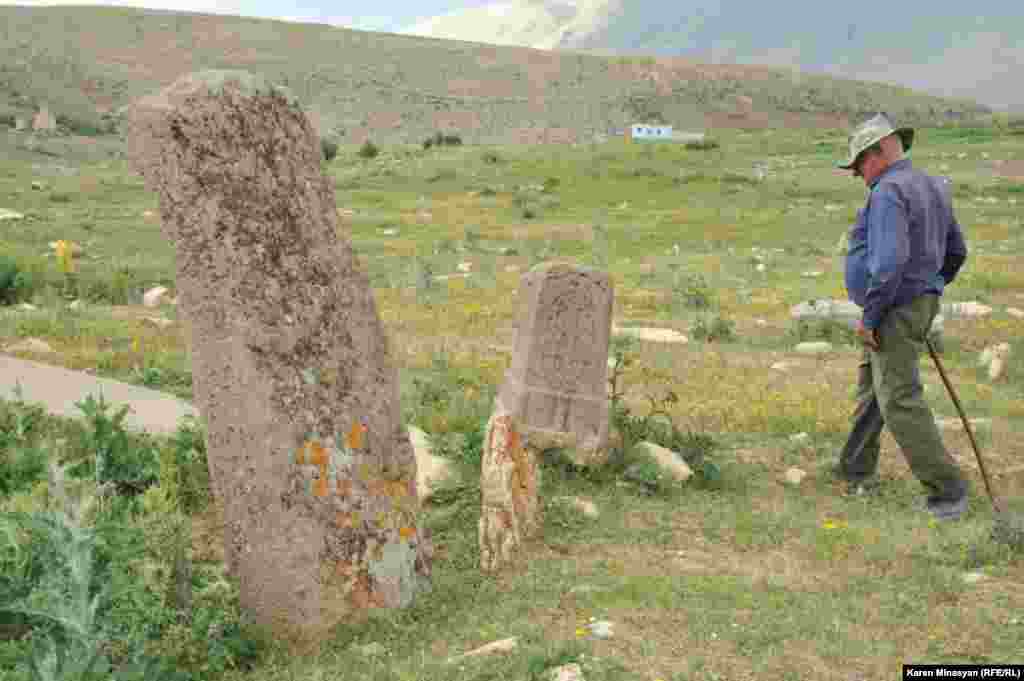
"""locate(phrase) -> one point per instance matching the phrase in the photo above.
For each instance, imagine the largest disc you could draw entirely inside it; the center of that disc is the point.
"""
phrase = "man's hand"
(868, 336)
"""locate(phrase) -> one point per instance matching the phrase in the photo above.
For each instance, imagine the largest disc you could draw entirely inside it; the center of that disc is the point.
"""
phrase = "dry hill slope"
(84, 61)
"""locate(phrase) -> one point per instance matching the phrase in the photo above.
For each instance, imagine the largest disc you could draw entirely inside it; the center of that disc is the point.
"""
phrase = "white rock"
(567, 672)
(601, 629)
(812, 275)
(465, 267)
(955, 423)
(761, 322)
(799, 437)
(995, 369)
(10, 215)
(27, 307)
(780, 366)
(794, 476)
(505, 645)
(968, 310)
(149, 215)
(973, 577)
(31, 345)
(1002, 350)
(389, 232)
(511, 268)
(825, 309)
(814, 348)
(670, 462)
(832, 208)
(154, 297)
(584, 506)
(158, 322)
(651, 334)
(430, 469)
(76, 305)
(1014, 312)
(761, 268)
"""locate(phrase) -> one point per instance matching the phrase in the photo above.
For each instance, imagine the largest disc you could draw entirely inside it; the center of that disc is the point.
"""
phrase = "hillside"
(87, 62)
(940, 46)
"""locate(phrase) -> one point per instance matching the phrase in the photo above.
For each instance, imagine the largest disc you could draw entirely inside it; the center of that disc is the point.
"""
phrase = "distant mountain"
(946, 47)
(88, 64)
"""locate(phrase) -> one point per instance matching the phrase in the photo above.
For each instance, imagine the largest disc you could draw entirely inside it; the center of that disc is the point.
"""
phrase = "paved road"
(58, 389)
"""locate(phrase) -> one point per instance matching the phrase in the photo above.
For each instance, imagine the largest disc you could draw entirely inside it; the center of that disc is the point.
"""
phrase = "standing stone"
(510, 509)
(556, 388)
(292, 369)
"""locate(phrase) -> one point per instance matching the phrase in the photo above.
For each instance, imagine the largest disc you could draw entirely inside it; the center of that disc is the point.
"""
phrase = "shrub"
(368, 150)
(693, 290)
(441, 140)
(702, 145)
(60, 197)
(329, 149)
(491, 158)
(83, 127)
(718, 329)
(7, 119)
(14, 282)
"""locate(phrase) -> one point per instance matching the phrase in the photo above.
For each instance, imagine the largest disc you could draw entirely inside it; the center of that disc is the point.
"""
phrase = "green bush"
(84, 127)
(705, 144)
(329, 149)
(14, 282)
(719, 329)
(7, 120)
(368, 150)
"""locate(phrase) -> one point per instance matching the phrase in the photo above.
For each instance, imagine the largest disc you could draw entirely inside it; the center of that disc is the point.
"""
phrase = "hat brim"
(906, 137)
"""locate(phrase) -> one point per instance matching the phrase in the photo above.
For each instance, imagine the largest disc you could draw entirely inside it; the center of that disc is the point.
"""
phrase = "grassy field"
(730, 578)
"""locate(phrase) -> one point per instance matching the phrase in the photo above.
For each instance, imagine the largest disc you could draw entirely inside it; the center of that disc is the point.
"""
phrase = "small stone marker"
(556, 388)
(292, 368)
(510, 508)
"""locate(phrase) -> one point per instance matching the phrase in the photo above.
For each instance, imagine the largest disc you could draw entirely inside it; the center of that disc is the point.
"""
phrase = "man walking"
(905, 248)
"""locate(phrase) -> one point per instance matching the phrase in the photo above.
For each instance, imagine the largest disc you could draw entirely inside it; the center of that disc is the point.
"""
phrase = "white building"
(646, 131)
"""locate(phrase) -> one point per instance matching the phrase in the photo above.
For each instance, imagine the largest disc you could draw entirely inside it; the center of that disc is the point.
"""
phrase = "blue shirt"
(906, 242)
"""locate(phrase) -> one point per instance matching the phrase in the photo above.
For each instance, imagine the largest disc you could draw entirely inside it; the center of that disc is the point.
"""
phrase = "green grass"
(743, 577)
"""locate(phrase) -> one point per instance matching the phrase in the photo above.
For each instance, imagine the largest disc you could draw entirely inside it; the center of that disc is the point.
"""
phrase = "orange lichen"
(512, 443)
(355, 436)
(345, 487)
(407, 532)
(320, 487)
(318, 455)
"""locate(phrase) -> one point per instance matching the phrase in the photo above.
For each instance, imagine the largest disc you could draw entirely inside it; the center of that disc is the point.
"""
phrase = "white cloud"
(201, 6)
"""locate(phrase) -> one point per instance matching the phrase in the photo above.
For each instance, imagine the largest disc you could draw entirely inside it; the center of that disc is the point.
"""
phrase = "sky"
(357, 14)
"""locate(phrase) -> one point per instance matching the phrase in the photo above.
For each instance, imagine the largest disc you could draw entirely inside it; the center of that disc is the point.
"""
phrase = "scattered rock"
(812, 275)
(780, 366)
(567, 672)
(814, 348)
(973, 577)
(158, 322)
(584, 506)
(76, 305)
(27, 307)
(31, 345)
(825, 309)
(154, 297)
(651, 334)
(371, 649)
(511, 268)
(10, 215)
(465, 267)
(505, 645)
(430, 469)
(832, 208)
(670, 462)
(761, 267)
(794, 476)
(149, 215)
(954, 423)
(389, 232)
(1014, 312)
(799, 437)
(600, 629)
(761, 322)
(967, 310)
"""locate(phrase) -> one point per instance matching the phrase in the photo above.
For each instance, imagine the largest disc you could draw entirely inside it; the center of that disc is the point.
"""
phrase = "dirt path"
(58, 389)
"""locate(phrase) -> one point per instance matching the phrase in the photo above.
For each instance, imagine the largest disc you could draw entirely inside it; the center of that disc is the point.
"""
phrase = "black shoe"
(947, 510)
